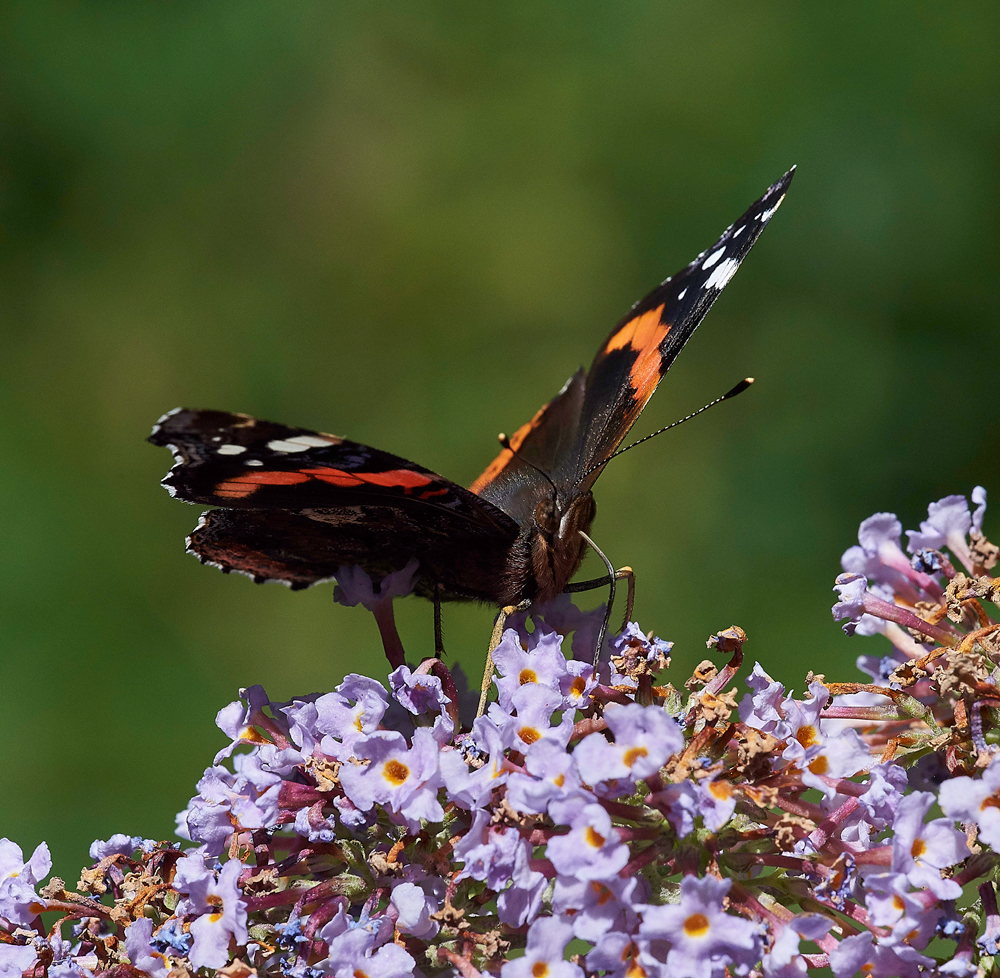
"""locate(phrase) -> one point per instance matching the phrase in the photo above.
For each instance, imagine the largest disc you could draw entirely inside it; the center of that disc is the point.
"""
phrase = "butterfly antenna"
(738, 389)
(505, 443)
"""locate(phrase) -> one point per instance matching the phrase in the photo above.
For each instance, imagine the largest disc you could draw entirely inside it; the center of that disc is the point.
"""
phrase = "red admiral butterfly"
(296, 505)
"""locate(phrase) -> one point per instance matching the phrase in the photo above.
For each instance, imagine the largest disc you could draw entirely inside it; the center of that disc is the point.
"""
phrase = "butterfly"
(295, 506)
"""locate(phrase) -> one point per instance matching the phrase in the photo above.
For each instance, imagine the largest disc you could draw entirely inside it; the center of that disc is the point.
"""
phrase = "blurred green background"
(408, 224)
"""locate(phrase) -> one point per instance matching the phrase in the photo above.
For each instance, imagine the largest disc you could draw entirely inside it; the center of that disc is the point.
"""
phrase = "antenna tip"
(738, 389)
(504, 440)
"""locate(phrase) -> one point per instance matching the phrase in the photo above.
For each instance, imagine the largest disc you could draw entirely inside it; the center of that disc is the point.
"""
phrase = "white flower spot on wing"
(298, 443)
(713, 258)
(722, 274)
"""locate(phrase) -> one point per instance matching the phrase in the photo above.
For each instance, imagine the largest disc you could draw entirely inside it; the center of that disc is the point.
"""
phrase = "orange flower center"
(696, 925)
(395, 772)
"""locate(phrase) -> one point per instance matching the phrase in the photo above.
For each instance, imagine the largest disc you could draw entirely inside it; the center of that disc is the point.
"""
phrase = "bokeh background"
(408, 223)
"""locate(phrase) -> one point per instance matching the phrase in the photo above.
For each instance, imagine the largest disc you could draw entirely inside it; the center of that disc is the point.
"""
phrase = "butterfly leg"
(505, 613)
(438, 636)
(622, 574)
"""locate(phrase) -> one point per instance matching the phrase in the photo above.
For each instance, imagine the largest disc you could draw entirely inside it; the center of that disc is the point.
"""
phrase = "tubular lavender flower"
(596, 821)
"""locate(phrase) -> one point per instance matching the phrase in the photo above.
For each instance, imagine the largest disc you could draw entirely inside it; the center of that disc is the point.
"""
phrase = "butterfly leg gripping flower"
(498, 629)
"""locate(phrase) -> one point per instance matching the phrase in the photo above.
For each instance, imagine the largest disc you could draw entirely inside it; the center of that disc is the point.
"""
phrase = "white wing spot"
(713, 258)
(681, 294)
(253, 461)
(739, 230)
(217, 438)
(766, 215)
(298, 443)
(230, 450)
(722, 274)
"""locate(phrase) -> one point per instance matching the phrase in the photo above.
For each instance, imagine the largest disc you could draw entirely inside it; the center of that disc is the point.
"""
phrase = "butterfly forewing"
(241, 462)
(632, 361)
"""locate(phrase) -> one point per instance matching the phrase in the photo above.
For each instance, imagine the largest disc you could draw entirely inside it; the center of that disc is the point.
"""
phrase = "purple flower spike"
(547, 940)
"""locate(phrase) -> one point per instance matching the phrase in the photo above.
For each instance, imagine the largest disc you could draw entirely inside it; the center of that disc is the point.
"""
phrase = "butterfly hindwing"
(305, 548)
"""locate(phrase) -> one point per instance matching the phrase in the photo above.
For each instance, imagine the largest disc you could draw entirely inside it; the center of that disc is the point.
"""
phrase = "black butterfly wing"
(590, 416)
(298, 504)
(641, 348)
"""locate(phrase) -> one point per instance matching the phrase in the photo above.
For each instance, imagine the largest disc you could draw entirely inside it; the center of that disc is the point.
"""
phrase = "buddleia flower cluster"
(593, 821)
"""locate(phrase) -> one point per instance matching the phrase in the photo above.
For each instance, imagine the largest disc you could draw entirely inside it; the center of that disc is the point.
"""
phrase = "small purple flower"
(141, 953)
(578, 685)
(948, 521)
(859, 955)
(502, 857)
(922, 851)
(761, 707)
(404, 779)
(716, 802)
(222, 912)
(623, 955)
(413, 907)
(534, 705)
(355, 586)
(420, 693)
(237, 720)
(15, 959)
(784, 959)
(19, 903)
(890, 903)
(474, 788)
(645, 737)
(353, 954)
(976, 801)
(597, 906)
(852, 589)
(120, 844)
(551, 776)
(698, 936)
(592, 850)
(227, 802)
(544, 955)
(544, 664)
(353, 711)
(817, 755)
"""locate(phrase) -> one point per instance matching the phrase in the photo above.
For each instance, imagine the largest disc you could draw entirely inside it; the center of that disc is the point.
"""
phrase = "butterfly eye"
(547, 516)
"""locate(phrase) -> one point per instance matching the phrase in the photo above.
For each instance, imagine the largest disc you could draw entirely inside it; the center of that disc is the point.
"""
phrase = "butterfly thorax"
(556, 547)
